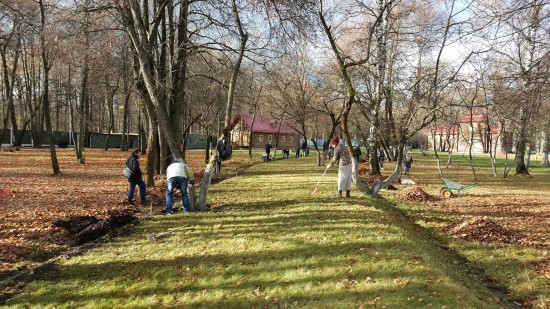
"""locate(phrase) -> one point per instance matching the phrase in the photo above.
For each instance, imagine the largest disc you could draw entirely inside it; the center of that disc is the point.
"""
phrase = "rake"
(314, 192)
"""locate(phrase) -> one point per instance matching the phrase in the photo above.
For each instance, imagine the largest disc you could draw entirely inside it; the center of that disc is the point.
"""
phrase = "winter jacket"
(133, 164)
(179, 169)
(408, 161)
(341, 153)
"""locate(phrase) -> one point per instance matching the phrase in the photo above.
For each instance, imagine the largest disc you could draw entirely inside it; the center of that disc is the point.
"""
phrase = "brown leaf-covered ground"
(513, 210)
(518, 203)
(33, 202)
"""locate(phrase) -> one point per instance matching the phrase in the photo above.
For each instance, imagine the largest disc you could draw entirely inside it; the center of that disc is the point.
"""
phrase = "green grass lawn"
(509, 266)
(269, 244)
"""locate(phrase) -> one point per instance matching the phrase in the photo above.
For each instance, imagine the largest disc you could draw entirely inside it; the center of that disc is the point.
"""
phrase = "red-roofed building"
(264, 129)
(474, 130)
(477, 117)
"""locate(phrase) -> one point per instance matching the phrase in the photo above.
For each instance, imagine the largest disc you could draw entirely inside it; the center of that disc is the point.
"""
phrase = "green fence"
(97, 140)
(26, 139)
(196, 141)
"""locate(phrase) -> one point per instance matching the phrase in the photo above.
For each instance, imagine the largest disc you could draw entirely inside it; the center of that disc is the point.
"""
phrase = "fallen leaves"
(416, 194)
(543, 267)
(35, 203)
(483, 230)
(504, 213)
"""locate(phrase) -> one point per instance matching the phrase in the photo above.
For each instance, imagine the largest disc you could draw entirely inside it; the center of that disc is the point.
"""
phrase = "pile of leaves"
(543, 267)
(483, 230)
(363, 168)
(415, 194)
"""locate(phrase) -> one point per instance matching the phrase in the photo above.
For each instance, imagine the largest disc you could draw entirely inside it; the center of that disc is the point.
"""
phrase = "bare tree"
(229, 123)
(8, 42)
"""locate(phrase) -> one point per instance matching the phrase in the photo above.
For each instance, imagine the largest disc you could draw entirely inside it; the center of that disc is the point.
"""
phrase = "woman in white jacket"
(342, 154)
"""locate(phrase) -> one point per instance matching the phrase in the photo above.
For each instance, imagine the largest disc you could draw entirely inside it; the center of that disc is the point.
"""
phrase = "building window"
(291, 139)
(260, 138)
(270, 138)
(283, 138)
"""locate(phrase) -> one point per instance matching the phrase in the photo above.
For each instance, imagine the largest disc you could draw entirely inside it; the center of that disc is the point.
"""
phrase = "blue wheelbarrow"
(451, 186)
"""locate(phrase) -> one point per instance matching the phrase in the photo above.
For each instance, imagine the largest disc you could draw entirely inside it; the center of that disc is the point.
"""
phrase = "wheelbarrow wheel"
(446, 193)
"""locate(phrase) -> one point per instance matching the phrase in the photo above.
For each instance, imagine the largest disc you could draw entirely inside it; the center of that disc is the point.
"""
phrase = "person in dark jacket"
(408, 161)
(357, 153)
(304, 149)
(136, 178)
(268, 150)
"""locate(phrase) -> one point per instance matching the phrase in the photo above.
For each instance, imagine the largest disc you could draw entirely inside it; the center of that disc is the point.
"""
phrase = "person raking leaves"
(341, 154)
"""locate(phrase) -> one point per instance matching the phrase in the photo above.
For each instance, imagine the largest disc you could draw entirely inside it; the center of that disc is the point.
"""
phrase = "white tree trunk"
(192, 197)
(544, 149)
(205, 183)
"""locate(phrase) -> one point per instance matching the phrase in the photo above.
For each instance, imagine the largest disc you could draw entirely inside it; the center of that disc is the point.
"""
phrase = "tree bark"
(228, 122)
(45, 89)
(110, 98)
(251, 135)
(521, 168)
(142, 37)
(84, 95)
(544, 148)
(9, 79)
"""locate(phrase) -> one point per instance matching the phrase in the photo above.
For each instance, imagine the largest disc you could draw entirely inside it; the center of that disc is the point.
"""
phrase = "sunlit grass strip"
(266, 248)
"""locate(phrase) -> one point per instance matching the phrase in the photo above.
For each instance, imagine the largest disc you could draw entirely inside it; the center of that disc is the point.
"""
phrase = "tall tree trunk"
(125, 128)
(110, 97)
(143, 51)
(45, 89)
(127, 92)
(521, 168)
(148, 108)
(81, 138)
(179, 103)
(544, 147)
(251, 134)
(228, 125)
(163, 76)
(9, 79)
(348, 102)
(277, 135)
(84, 95)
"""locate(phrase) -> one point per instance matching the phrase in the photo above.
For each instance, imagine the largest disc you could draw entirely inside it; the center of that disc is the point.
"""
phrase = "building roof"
(473, 118)
(446, 130)
(454, 130)
(268, 124)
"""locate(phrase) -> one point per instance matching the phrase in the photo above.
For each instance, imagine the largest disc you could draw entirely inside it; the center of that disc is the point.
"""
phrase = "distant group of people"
(302, 151)
(178, 176)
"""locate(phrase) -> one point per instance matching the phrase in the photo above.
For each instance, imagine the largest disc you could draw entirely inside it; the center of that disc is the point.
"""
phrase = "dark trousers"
(142, 189)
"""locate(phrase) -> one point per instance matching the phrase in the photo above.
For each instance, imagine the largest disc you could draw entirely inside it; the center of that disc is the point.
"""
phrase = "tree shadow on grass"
(190, 275)
(245, 279)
